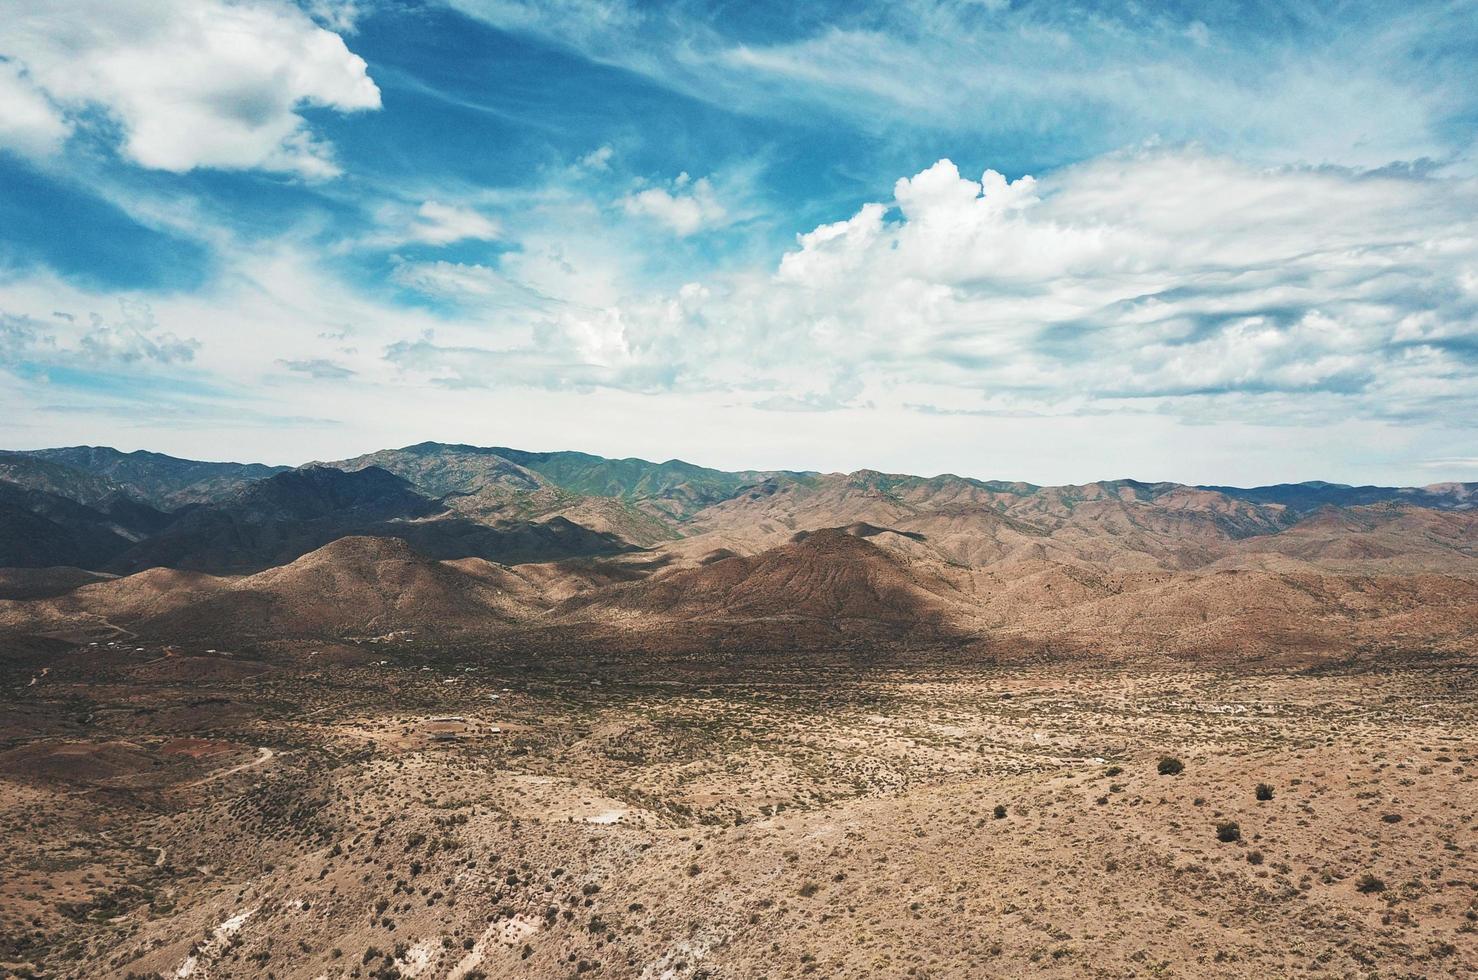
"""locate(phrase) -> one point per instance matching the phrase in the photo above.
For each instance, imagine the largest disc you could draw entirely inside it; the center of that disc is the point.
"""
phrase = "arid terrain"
(452, 712)
(738, 490)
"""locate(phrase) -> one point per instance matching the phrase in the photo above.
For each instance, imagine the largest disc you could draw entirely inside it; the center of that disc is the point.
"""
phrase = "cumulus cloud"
(1167, 280)
(686, 207)
(133, 337)
(340, 16)
(191, 83)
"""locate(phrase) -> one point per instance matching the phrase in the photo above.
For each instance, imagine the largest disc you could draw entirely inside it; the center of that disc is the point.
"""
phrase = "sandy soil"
(759, 817)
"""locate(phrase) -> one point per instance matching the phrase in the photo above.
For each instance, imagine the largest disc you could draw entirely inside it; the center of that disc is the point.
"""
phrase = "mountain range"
(565, 547)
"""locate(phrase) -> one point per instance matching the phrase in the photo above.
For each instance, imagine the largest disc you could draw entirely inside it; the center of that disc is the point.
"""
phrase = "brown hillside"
(828, 575)
(353, 585)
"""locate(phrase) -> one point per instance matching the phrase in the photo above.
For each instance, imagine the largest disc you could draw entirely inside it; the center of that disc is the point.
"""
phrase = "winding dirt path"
(264, 755)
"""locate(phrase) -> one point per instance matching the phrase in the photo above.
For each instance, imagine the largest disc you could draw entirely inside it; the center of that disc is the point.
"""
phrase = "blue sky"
(1210, 242)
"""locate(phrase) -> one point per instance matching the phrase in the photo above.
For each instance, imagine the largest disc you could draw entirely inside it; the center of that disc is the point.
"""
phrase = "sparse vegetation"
(1369, 884)
(601, 813)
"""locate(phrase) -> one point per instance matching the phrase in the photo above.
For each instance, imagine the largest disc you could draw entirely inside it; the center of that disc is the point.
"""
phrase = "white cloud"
(135, 338)
(29, 123)
(1168, 281)
(442, 224)
(318, 367)
(340, 16)
(598, 160)
(193, 83)
(1171, 281)
(467, 284)
(132, 337)
(1289, 82)
(1168, 313)
(689, 206)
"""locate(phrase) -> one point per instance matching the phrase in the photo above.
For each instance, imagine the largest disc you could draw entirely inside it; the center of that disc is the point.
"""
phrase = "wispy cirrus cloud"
(318, 367)
(1367, 86)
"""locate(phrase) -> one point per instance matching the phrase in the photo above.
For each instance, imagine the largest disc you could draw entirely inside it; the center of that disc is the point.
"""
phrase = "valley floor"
(388, 809)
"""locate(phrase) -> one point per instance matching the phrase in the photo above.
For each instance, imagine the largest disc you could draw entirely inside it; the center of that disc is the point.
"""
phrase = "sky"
(1215, 242)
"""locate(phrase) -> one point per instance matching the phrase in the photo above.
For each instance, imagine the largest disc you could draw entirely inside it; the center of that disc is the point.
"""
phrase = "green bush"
(1170, 766)
(1227, 831)
(1264, 792)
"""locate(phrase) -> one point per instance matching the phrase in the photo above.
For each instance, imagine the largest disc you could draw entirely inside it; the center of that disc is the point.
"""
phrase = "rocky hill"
(671, 554)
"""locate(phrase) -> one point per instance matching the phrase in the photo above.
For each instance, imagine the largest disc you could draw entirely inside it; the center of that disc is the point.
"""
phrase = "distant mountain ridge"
(164, 481)
(1304, 497)
(673, 488)
(157, 477)
(577, 551)
(108, 511)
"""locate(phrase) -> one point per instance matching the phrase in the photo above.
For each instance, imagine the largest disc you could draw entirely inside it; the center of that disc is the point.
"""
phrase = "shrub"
(1227, 831)
(1112, 771)
(1170, 766)
(1000, 812)
(1264, 792)
(1254, 857)
(1369, 884)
